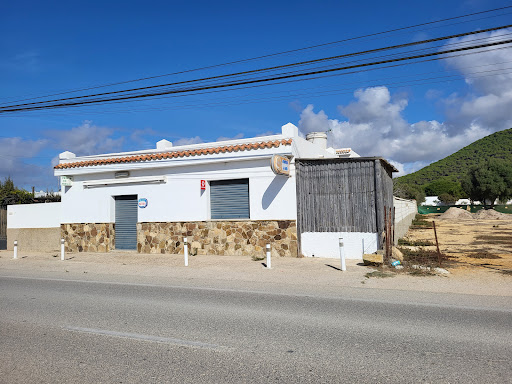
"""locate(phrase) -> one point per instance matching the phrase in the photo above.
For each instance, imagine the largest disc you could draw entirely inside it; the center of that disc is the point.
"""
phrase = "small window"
(229, 199)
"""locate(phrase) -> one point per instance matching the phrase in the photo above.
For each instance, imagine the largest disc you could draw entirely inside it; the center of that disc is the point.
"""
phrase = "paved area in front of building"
(287, 275)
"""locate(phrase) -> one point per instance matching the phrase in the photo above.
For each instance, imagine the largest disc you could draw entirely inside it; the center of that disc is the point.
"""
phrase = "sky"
(411, 115)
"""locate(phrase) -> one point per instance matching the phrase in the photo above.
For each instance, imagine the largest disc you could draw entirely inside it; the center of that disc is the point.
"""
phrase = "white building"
(225, 197)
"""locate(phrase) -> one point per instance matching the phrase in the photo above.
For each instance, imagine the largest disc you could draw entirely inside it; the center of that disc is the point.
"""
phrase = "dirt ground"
(470, 244)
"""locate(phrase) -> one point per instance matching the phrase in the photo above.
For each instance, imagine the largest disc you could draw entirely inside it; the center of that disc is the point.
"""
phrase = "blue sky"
(55, 46)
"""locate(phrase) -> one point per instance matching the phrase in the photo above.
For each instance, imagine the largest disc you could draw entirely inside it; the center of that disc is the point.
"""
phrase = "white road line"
(156, 339)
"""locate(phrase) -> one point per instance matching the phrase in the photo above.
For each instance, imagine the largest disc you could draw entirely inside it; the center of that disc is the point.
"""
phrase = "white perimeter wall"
(180, 198)
(326, 244)
(405, 211)
(46, 215)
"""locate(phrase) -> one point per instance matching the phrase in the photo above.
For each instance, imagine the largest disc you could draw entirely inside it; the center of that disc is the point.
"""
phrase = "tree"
(447, 198)
(408, 191)
(444, 185)
(9, 194)
(489, 181)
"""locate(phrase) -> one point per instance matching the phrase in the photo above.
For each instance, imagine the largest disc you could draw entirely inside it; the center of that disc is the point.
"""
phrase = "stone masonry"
(97, 237)
(220, 237)
(204, 237)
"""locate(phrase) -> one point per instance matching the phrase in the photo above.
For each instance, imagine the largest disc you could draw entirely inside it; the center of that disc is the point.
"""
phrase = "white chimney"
(318, 138)
(163, 144)
(66, 155)
(290, 130)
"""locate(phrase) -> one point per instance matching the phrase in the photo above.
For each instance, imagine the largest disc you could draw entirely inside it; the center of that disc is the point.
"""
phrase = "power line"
(8, 108)
(280, 53)
(295, 80)
(420, 81)
(246, 82)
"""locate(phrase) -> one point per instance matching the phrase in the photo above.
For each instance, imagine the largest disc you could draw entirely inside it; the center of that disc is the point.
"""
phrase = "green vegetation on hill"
(450, 171)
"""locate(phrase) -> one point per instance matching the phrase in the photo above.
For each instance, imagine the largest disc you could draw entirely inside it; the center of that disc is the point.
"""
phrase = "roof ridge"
(174, 154)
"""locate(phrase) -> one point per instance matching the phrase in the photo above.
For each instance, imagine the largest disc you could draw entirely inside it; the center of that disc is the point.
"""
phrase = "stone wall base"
(94, 237)
(247, 237)
(220, 237)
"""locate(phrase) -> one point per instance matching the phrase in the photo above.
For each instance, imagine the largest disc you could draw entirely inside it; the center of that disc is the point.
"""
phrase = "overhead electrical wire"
(439, 79)
(244, 73)
(60, 103)
(310, 78)
(431, 80)
(285, 52)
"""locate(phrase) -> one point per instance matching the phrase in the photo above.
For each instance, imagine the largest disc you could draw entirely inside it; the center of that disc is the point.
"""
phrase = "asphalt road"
(54, 331)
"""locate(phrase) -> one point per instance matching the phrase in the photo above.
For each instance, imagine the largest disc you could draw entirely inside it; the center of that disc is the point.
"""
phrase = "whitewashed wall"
(405, 211)
(326, 244)
(34, 215)
(180, 197)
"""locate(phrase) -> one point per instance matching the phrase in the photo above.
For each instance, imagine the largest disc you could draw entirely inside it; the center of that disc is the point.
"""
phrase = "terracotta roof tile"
(170, 155)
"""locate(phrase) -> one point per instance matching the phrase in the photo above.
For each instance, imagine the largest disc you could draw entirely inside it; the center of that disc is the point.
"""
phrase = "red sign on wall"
(203, 185)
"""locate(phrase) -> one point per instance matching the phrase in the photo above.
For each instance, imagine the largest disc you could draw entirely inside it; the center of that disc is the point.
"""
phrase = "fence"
(426, 209)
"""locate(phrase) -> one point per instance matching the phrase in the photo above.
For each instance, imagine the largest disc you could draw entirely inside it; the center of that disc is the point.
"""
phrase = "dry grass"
(420, 222)
(425, 257)
(415, 243)
(466, 242)
(379, 273)
(483, 254)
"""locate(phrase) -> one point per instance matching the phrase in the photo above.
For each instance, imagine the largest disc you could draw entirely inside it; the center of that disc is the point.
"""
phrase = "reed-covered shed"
(342, 198)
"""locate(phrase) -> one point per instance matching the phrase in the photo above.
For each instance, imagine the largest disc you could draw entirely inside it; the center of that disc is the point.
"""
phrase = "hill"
(455, 166)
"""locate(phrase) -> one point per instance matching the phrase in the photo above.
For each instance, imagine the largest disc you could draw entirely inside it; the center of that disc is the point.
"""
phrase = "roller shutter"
(126, 222)
(229, 199)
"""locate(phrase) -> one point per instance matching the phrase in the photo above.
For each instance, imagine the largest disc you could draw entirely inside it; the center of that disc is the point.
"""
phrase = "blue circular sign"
(143, 202)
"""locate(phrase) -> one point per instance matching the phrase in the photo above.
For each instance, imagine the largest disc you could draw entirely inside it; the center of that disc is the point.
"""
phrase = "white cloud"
(144, 138)
(13, 163)
(375, 127)
(489, 76)
(400, 167)
(188, 141)
(86, 139)
(225, 138)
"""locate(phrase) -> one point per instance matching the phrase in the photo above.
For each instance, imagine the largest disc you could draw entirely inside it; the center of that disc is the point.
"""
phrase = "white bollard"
(342, 255)
(15, 249)
(185, 250)
(268, 257)
(62, 249)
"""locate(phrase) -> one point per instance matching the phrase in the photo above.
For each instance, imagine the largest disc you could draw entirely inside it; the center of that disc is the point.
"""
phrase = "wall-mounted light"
(122, 174)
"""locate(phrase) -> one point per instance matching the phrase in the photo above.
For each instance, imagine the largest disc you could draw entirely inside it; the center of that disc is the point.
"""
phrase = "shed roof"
(352, 159)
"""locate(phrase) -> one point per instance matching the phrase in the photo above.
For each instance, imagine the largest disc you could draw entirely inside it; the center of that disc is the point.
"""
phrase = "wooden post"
(437, 245)
(386, 233)
(390, 235)
(379, 202)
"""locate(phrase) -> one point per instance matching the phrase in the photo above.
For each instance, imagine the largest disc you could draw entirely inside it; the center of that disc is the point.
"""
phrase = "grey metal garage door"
(126, 222)
(229, 199)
